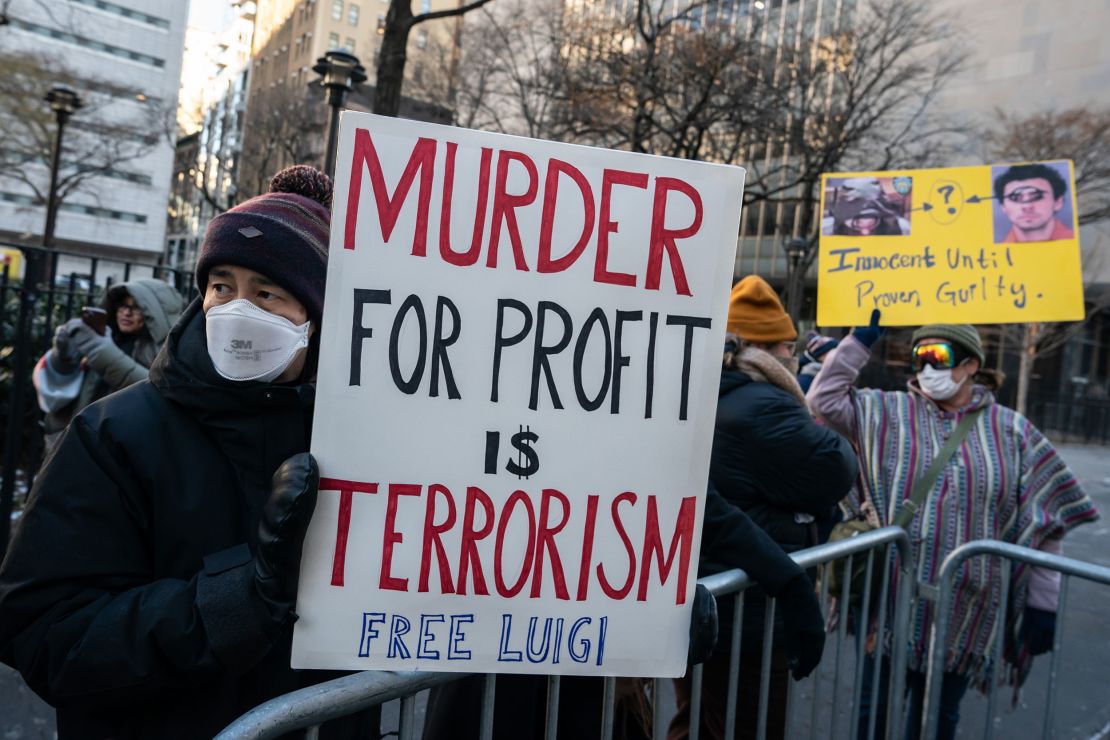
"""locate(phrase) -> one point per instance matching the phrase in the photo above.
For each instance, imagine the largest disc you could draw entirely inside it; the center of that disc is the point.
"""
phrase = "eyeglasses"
(127, 308)
(1025, 194)
(940, 355)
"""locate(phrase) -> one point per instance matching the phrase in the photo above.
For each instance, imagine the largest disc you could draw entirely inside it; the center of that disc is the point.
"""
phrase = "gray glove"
(65, 358)
(87, 341)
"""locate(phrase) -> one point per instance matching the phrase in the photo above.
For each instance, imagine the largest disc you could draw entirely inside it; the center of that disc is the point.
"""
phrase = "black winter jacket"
(124, 598)
(773, 460)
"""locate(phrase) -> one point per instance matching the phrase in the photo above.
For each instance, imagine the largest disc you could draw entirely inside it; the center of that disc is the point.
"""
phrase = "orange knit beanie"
(755, 313)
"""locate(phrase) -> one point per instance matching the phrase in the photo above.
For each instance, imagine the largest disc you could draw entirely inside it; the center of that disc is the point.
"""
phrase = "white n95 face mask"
(246, 342)
(938, 384)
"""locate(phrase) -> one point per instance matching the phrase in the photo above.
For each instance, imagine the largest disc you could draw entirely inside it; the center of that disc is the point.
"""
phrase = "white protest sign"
(518, 379)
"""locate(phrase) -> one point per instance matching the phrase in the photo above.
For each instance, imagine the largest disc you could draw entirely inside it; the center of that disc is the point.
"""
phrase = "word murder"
(562, 184)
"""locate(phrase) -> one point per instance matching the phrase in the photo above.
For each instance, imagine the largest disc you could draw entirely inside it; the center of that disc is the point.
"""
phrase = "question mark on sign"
(947, 190)
(953, 194)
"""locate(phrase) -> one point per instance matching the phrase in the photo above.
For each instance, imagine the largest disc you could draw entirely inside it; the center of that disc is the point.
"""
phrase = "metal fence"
(29, 315)
(946, 582)
(888, 548)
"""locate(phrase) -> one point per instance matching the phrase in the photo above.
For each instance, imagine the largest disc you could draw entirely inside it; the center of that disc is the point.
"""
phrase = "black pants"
(520, 709)
(952, 689)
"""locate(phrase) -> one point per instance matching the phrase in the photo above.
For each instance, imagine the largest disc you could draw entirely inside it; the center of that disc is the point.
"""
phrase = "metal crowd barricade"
(888, 548)
(949, 570)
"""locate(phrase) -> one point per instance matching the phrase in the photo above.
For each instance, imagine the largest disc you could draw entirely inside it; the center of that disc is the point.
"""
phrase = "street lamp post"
(797, 250)
(339, 72)
(64, 102)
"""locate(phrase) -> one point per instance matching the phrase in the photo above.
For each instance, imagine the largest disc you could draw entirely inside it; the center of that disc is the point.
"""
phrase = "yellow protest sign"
(989, 244)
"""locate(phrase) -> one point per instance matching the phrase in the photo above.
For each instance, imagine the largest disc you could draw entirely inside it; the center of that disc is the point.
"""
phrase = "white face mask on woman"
(938, 384)
(246, 342)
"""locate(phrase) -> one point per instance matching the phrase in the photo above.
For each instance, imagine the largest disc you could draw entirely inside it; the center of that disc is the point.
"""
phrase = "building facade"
(123, 57)
(286, 116)
(206, 170)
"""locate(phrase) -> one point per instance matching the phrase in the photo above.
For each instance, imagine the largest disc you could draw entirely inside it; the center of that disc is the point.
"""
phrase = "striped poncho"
(1005, 482)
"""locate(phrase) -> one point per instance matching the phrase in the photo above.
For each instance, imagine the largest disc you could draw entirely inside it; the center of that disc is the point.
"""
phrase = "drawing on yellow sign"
(985, 245)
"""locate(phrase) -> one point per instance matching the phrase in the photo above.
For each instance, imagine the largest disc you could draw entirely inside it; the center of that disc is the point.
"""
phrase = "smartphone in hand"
(95, 318)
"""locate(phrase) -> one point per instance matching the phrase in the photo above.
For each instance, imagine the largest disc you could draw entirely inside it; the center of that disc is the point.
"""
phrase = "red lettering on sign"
(545, 542)
(517, 497)
(556, 167)
(421, 160)
(620, 593)
(605, 226)
(653, 546)
(468, 549)
(391, 537)
(663, 239)
(469, 257)
(432, 539)
(505, 205)
(343, 527)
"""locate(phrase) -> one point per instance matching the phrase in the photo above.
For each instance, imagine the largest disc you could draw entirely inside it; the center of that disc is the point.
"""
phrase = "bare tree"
(788, 100)
(100, 141)
(1083, 136)
(285, 127)
(393, 55)
(859, 98)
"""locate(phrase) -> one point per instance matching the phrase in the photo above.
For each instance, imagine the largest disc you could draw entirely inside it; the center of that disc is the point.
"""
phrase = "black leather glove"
(804, 629)
(1040, 629)
(281, 533)
(703, 626)
(871, 333)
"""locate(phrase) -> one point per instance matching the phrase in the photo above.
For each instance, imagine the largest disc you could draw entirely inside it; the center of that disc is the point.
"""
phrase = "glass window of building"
(352, 14)
(349, 45)
(333, 41)
(337, 9)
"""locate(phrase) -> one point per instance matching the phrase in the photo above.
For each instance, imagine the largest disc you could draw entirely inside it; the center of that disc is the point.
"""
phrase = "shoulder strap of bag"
(926, 482)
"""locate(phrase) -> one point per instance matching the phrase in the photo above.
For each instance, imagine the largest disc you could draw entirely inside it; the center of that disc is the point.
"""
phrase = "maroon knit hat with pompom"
(282, 234)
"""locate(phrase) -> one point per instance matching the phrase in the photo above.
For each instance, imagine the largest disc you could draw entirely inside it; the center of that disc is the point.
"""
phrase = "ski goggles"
(941, 355)
(1025, 194)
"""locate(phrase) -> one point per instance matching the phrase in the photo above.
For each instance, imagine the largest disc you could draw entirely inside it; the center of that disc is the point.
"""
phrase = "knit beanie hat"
(282, 234)
(965, 335)
(755, 313)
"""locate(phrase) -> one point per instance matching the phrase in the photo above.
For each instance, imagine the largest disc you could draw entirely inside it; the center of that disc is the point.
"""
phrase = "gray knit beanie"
(965, 335)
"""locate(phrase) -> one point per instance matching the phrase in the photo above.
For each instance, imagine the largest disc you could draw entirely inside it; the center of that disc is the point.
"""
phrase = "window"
(119, 10)
(88, 43)
(349, 45)
(421, 39)
(337, 9)
(425, 6)
(352, 14)
(333, 41)
(381, 23)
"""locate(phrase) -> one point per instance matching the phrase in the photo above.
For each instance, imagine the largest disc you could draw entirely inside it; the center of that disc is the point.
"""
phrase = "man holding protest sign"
(150, 587)
(1001, 479)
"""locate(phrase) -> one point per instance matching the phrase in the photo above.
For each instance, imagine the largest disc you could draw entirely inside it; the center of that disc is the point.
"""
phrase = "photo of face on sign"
(867, 206)
(1032, 203)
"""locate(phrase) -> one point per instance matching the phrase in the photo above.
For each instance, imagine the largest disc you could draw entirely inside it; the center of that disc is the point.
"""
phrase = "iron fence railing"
(28, 318)
(307, 708)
